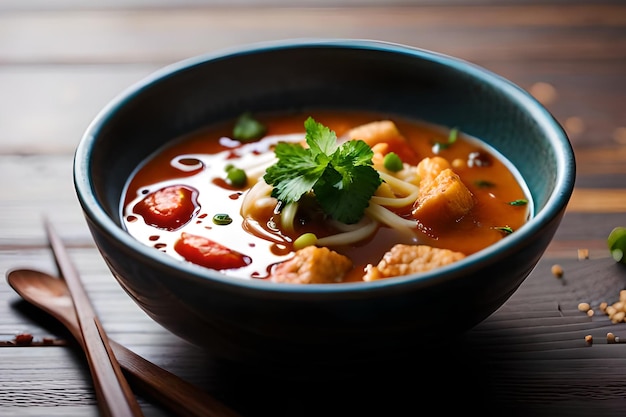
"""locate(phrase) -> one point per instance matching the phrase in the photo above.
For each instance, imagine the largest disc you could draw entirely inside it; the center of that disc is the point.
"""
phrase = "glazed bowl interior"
(195, 93)
(298, 75)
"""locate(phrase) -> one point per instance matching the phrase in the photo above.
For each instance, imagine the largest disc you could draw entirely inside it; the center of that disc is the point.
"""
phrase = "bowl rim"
(554, 206)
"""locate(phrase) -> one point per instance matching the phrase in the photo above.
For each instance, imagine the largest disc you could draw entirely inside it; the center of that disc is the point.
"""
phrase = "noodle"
(388, 217)
(394, 182)
(287, 216)
(255, 172)
(377, 212)
(347, 238)
(259, 191)
(395, 201)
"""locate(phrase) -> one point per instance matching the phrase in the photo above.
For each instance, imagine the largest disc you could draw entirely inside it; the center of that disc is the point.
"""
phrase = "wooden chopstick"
(177, 395)
(115, 395)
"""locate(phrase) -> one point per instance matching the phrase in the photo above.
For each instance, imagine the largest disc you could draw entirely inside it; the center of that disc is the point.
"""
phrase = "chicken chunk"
(410, 259)
(313, 265)
(443, 200)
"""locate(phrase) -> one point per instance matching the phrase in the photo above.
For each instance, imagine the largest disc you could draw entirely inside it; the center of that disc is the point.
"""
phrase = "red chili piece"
(205, 252)
(169, 208)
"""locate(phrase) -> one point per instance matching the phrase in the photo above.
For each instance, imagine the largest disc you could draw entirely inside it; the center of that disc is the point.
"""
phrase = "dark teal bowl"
(286, 325)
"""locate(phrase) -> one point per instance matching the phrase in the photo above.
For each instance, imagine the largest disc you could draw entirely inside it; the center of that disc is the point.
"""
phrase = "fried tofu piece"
(442, 200)
(312, 265)
(384, 132)
(429, 168)
(376, 132)
(410, 259)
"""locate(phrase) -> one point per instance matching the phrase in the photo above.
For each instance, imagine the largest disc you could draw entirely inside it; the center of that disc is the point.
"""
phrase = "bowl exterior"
(319, 328)
(254, 321)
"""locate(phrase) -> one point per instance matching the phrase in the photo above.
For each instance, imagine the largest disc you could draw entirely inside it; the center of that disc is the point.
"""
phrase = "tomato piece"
(169, 208)
(205, 252)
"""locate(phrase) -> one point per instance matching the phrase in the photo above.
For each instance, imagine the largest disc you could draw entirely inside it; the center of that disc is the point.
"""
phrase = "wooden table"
(61, 61)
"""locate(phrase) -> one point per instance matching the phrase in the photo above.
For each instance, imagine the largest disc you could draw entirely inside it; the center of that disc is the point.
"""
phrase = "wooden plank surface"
(62, 61)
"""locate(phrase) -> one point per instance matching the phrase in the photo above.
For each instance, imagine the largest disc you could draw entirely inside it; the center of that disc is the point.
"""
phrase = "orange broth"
(490, 178)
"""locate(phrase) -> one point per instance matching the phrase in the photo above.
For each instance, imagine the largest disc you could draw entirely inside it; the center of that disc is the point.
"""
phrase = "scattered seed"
(557, 270)
(590, 312)
(24, 339)
(610, 338)
(589, 340)
(583, 254)
(618, 317)
(584, 307)
(610, 310)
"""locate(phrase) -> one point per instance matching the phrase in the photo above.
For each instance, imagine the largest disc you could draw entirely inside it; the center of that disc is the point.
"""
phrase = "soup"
(324, 197)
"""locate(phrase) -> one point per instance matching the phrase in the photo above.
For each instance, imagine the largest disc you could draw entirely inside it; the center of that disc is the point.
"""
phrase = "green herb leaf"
(321, 140)
(341, 176)
(295, 173)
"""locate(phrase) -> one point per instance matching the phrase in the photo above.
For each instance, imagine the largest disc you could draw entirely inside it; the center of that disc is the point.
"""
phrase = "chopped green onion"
(617, 244)
(236, 177)
(452, 137)
(484, 184)
(507, 230)
(392, 162)
(520, 202)
(222, 219)
(248, 129)
(307, 239)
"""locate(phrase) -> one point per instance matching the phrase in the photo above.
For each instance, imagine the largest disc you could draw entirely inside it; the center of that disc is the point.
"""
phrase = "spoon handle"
(114, 392)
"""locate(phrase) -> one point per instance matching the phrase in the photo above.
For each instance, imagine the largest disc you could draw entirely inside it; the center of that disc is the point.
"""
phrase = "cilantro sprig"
(341, 177)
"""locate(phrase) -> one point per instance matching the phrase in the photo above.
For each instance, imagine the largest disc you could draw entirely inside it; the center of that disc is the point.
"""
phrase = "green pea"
(304, 240)
(248, 129)
(617, 244)
(236, 177)
(392, 162)
(222, 219)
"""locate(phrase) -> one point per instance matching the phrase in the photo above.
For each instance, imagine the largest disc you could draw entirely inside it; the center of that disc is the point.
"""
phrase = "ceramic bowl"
(254, 321)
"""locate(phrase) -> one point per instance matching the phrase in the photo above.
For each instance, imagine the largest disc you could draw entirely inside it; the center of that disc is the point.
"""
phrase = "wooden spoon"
(182, 398)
